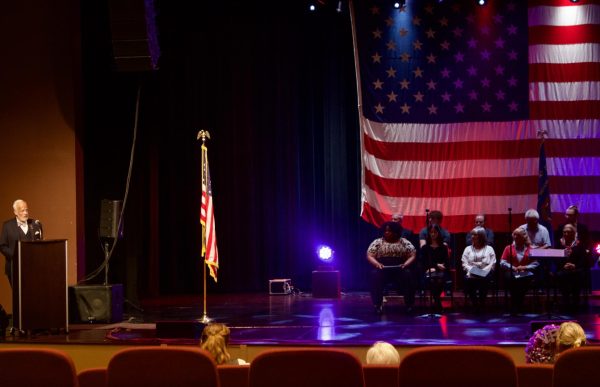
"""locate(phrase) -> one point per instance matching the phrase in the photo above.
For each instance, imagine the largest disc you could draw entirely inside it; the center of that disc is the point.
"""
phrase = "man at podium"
(19, 228)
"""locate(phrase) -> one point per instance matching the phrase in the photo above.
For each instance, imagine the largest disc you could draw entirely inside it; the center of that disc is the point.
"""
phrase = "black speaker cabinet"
(326, 284)
(109, 218)
(96, 303)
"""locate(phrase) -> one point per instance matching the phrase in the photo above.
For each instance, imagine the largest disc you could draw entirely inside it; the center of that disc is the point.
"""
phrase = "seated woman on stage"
(478, 261)
(518, 267)
(570, 270)
(392, 259)
(434, 258)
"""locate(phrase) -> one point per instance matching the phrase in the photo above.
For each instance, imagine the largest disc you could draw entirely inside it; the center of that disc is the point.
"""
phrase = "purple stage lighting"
(325, 253)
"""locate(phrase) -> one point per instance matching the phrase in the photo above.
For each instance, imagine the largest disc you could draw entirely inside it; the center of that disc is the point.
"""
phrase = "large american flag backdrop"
(454, 99)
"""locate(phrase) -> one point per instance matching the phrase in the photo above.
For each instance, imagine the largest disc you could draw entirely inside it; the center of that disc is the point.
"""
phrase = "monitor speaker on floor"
(96, 303)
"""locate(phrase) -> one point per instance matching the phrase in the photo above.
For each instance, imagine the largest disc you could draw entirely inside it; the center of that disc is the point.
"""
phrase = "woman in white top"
(478, 262)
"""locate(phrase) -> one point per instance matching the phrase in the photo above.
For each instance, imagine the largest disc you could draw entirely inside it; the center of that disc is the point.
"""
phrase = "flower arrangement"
(541, 347)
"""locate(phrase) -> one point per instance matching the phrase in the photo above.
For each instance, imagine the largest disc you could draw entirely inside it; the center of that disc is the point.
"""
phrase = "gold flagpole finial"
(203, 134)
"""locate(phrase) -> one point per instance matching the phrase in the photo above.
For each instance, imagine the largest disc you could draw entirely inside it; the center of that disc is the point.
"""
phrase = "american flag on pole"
(453, 97)
(207, 220)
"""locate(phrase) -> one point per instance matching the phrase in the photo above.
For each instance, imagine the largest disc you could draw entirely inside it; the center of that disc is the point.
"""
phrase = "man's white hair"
(16, 203)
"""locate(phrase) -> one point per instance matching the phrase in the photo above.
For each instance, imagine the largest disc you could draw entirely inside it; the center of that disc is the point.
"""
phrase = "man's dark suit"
(11, 235)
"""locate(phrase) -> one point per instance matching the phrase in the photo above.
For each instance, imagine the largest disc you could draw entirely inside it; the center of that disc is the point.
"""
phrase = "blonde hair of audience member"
(214, 339)
(570, 335)
(383, 353)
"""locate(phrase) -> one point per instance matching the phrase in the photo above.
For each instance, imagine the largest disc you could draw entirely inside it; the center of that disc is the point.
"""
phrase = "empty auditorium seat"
(577, 367)
(535, 375)
(92, 377)
(464, 366)
(380, 375)
(36, 367)
(233, 375)
(306, 368)
(162, 366)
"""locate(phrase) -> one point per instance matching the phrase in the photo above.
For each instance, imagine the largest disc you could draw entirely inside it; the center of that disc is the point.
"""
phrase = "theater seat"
(535, 375)
(380, 375)
(92, 377)
(36, 367)
(162, 366)
(464, 366)
(233, 375)
(577, 367)
(313, 367)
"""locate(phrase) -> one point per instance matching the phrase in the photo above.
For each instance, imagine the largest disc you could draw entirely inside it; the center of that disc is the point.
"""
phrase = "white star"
(377, 34)
(485, 82)
(379, 108)
(445, 73)
(404, 84)
(431, 58)
(432, 109)
(419, 96)
(391, 72)
(512, 30)
(500, 95)
(513, 106)
(487, 107)
(499, 43)
(376, 58)
(377, 84)
(472, 71)
(512, 55)
(499, 70)
(392, 96)
(459, 57)
(418, 72)
(446, 97)
(472, 43)
(512, 81)
(473, 95)
(459, 108)
(405, 108)
(485, 55)
(431, 85)
(458, 83)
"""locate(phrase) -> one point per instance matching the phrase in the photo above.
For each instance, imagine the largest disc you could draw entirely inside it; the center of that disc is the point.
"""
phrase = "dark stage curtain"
(275, 85)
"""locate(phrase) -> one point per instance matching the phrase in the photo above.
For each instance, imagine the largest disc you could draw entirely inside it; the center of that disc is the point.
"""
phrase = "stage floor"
(300, 319)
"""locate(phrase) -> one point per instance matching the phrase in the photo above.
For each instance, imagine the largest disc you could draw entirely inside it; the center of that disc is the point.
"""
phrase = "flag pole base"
(205, 319)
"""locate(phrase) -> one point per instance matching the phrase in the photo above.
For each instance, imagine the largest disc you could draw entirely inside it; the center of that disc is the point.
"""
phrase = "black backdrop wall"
(275, 85)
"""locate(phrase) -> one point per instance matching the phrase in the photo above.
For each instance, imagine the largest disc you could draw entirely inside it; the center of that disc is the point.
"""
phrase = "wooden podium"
(40, 286)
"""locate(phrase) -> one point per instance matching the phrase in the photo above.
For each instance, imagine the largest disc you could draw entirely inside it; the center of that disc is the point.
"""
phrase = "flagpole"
(203, 135)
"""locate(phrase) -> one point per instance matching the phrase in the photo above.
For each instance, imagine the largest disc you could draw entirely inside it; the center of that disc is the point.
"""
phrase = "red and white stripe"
(487, 167)
(207, 220)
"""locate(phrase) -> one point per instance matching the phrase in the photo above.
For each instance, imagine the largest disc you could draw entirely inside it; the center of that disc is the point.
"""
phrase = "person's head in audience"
(570, 335)
(215, 338)
(541, 347)
(569, 234)
(532, 218)
(571, 215)
(478, 237)
(435, 217)
(383, 353)
(521, 237)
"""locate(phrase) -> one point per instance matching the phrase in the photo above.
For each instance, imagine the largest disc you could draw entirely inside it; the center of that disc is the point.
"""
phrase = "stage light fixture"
(325, 253)
(574, 1)
(597, 248)
(312, 7)
(482, 2)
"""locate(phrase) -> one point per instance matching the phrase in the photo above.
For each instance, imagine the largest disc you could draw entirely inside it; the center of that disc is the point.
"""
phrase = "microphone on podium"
(38, 234)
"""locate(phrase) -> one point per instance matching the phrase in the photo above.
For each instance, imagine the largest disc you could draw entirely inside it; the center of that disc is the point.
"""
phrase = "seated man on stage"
(489, 234)
(392, 258)
(570, 271)
(478, 262)
(518, 267)
(538, 234)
